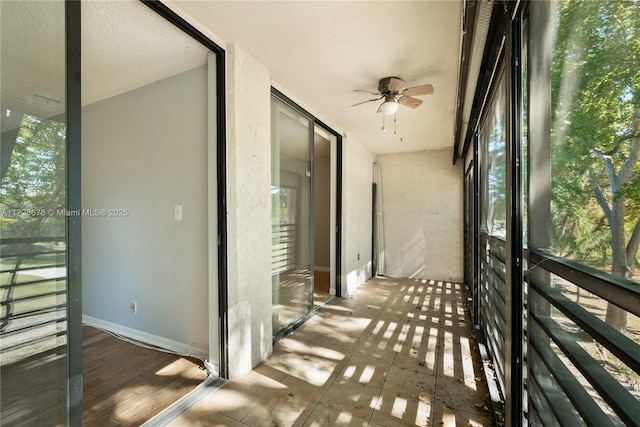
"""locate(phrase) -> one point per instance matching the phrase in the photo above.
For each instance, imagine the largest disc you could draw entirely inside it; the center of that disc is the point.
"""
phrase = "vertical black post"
(312, 205)
(539, 151)
(221, 168)
(73, 238)
(514, 372)
(338, 229)
(374, 234)
(477, 170)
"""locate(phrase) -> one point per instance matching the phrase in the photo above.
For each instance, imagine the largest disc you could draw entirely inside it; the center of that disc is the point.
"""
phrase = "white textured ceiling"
(126, 45)
(319, 51)
(32, 71)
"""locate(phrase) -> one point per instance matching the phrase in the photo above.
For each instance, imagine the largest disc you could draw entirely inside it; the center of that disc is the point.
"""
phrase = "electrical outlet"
(133, 307)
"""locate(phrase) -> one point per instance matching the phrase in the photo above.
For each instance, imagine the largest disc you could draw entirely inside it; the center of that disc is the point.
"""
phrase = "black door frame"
(221, 169)
(338, 231)
(73, 202)
(73, 198)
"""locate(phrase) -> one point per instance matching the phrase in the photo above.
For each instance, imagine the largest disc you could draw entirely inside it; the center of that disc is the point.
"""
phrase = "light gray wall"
(249, 211)
(322, 212)
(422, 195)
(146, 151)
(357, 182)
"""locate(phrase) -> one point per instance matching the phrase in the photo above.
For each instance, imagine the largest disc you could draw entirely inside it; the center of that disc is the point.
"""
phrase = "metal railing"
(32, 296)
(283, 247)
(583, 370)
(579, 370)
(492, 304)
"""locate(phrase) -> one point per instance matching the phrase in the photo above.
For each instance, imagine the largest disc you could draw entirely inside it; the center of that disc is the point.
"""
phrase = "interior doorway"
(149, 265)
(323, 279)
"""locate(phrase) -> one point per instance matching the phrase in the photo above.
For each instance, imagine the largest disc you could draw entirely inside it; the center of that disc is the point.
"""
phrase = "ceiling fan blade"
(395, 84)
(368, 100)
(380, 108)
(410, 102)
(418, 90)
(372, 92)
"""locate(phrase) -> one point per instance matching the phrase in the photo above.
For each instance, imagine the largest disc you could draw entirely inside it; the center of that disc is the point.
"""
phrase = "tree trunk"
(621, 266)
(617, 317)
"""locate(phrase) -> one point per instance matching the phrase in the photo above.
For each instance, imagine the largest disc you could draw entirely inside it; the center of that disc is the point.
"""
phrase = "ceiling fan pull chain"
(384, 128)
(394, 123)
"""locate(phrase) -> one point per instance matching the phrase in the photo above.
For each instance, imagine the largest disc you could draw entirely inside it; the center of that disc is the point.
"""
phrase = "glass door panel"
(291, 216)
(33, 253)
(323, 216)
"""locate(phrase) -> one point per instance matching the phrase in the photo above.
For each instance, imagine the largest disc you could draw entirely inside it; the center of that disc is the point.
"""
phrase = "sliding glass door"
(291, 215)
(35, 363)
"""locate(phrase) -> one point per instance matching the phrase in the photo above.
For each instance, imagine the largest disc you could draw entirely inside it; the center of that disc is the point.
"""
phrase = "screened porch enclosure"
(552, 224)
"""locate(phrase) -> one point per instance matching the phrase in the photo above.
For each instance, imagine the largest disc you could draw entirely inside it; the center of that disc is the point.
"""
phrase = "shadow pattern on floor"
(397, 352)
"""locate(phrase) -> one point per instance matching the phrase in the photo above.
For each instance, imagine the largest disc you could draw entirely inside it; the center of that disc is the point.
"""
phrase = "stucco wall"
(357, 181)
(146, 151)
(422, 195)
(249, 211)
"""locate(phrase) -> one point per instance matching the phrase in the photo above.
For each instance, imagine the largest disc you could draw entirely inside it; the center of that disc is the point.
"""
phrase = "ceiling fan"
(390, 88)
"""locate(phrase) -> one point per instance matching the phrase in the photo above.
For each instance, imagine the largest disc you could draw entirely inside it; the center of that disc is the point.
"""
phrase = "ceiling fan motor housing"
(383, 85)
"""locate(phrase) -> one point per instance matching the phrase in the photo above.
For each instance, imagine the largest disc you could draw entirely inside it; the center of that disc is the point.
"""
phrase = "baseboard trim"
(144, 337)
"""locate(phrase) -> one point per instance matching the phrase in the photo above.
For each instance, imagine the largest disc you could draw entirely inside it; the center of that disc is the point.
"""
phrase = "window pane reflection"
(33, 330)
(290, 216)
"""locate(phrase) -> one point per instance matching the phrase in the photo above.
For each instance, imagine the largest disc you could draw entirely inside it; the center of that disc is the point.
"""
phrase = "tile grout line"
(381, 389)
(436, 361)
(267, 395)
(356, 344)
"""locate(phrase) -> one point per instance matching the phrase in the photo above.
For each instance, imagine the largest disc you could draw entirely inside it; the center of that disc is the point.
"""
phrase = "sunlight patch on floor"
(392, 354)
(367, 374)
(399, 407)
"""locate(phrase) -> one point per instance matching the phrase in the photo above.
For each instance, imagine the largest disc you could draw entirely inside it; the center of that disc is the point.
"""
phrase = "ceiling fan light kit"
(389, 107)
(390, 88)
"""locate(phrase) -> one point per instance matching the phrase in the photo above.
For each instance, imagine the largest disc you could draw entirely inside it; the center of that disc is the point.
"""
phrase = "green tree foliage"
(33, 183)
(596, 143)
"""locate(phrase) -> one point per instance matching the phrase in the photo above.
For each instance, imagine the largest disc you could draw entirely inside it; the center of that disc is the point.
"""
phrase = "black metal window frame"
(73, 196)
(529, 328)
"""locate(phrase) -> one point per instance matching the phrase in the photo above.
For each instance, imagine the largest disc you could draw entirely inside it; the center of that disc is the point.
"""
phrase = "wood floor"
(321, 286)
(127, 385)
(124, 385)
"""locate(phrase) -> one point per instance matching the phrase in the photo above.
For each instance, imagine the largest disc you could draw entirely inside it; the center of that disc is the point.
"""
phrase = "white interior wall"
(357, 182)
(146, 151)
(249, 211)
(422, 195)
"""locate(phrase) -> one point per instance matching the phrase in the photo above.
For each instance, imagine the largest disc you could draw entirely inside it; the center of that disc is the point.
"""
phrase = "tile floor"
(395, 353)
